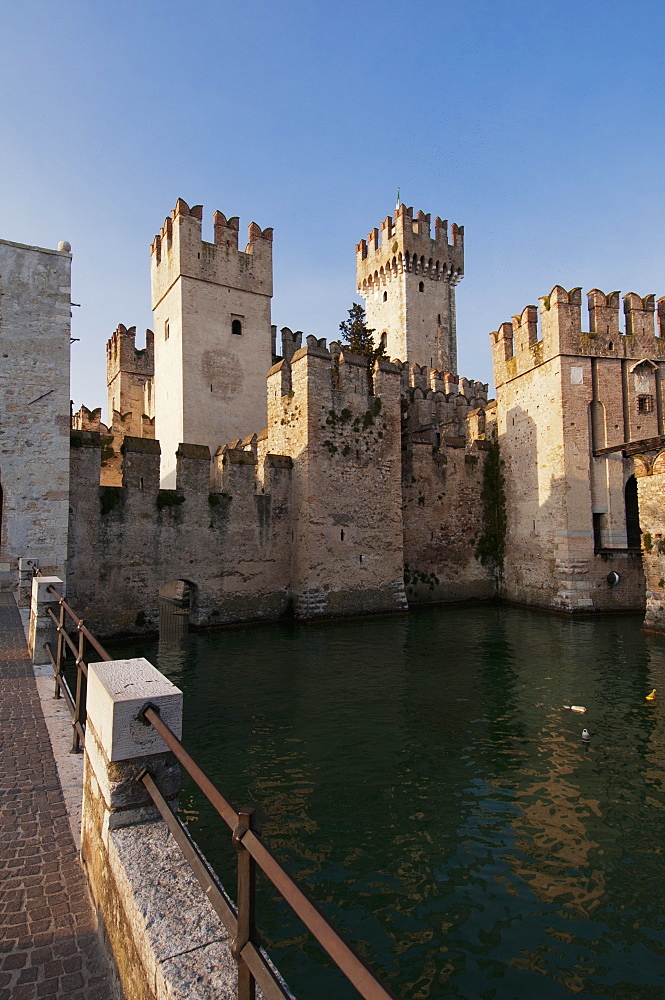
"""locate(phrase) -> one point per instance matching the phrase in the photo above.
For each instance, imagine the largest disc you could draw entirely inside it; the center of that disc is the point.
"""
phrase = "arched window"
(236, 327)
(385, 296)
(633, 531)
(421, 286)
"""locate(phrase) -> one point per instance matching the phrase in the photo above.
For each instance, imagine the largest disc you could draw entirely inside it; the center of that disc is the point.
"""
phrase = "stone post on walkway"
(42, 627)
(122, 837)
(25, 574)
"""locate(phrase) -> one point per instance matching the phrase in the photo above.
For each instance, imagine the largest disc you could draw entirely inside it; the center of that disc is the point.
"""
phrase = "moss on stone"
(169, 498)
(109, 497)
(491, 546)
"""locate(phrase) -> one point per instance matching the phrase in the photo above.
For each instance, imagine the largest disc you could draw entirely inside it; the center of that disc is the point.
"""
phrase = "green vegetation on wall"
(492, 543)
(109, 497)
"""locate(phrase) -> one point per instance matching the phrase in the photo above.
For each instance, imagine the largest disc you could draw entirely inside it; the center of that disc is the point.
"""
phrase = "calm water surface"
(419, 775)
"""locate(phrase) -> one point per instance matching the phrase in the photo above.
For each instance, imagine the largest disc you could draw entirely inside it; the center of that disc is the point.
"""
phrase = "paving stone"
(49, 940)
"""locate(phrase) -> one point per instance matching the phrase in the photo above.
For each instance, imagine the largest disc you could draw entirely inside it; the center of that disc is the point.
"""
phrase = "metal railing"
(254, 966)
(75, 702)
(252, 852)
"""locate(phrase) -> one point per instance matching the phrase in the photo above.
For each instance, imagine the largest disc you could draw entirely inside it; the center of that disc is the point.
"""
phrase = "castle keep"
(326, 490)
(213, 338)
(408, 279)
(264, 479)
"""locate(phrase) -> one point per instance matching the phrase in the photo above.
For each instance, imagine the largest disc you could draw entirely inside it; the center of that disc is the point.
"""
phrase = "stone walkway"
(49, 945)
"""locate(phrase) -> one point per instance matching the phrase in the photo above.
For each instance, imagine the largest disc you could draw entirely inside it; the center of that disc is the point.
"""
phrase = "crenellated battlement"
(123, 355)
(406, 246)
(407, 276)
(539, 334)
(178, 250)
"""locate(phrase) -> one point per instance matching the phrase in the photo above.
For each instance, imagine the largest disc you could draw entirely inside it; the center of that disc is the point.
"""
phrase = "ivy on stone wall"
(492, 542)
(109, 497)
(169, 498)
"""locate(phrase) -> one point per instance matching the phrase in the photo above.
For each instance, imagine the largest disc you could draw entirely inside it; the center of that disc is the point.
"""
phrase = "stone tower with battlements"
(574, 405)
(407, 278)
(130, 381)
(212, 332)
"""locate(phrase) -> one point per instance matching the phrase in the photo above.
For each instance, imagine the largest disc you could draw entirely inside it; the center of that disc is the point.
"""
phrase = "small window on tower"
(236, 327)
(421, 286)
(645, 404)
(385, 296)
(166, 330)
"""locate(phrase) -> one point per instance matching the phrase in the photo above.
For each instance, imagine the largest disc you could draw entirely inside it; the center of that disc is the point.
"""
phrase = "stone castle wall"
(650, 473)
(35, 326)
(315, 516)
(564, 398)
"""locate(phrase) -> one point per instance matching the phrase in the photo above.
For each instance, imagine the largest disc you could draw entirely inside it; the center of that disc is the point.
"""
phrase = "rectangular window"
(166, 330)
(598, 531)
(645, 404)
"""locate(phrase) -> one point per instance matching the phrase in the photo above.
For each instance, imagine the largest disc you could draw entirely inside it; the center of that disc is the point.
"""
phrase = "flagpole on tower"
(398, 202)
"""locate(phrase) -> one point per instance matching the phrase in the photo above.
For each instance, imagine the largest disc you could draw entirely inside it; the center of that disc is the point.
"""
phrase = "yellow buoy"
(652, 696)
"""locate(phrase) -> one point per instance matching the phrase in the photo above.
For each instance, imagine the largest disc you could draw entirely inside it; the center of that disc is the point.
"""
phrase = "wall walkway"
(49, 943)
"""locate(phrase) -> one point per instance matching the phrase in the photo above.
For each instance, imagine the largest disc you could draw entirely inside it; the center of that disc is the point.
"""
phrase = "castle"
(264, 479)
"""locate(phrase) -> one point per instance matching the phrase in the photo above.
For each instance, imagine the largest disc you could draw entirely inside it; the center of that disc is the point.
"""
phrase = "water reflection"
(422, 778)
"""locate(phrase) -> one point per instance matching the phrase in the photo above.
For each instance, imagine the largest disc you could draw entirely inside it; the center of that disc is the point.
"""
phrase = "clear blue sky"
(538, 125)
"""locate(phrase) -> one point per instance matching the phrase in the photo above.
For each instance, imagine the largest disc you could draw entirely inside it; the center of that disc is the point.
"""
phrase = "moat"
(419, 774)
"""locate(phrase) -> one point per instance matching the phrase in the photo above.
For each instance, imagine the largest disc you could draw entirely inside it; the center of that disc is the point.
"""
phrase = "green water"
(419, 776)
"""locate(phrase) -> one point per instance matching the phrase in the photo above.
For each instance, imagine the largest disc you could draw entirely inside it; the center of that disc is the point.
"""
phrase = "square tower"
(573, 406)
(408, 282)
(213, 344)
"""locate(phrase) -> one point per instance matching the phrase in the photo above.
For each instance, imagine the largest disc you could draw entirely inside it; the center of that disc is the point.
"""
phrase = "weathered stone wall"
(130, 384)
(209, 380)
(563, 394)
(342, 430)
(35, 323)
(444, 446)
(232, 546)
(360, 479)
(650, 475)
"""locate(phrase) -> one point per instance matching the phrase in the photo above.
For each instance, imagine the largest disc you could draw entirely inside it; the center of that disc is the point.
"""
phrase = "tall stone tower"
(573, 406)
(408, 282)
(130, 381)
(213, 343)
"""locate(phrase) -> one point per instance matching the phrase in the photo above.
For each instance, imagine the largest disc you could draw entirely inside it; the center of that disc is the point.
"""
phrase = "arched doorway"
(176, 601)
(633, 532)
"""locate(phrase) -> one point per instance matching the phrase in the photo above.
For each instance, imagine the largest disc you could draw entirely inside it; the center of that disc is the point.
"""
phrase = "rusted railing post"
(246, 904)
(26, 568)
(79, 710)
(59, 650)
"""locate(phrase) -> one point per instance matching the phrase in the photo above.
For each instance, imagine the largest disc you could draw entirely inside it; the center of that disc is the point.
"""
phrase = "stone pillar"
(42, 626)
(25, 573)
(118, 745)
(124, 843)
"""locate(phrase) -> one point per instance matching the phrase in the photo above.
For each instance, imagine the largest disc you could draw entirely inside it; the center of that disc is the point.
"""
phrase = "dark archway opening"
(176, 600)
(633, 533)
